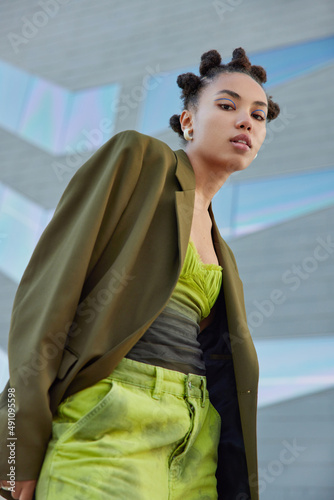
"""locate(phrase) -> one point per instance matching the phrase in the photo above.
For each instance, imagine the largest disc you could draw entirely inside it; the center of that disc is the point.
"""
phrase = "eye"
(226, 106)
(259, 116)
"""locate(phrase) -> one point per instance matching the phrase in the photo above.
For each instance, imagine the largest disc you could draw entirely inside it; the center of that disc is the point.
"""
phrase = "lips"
(242, 139)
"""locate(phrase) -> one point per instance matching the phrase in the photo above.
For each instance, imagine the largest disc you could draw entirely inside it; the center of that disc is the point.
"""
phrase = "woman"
(134, 372)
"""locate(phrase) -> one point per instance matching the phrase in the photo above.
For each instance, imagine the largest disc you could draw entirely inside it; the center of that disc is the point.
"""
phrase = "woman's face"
(231, 110)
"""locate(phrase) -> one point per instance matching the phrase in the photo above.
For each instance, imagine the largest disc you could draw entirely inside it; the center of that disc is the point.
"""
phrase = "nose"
(244, 123)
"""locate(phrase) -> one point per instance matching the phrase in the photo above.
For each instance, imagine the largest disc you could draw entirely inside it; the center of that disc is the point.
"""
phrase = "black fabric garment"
(232, 467)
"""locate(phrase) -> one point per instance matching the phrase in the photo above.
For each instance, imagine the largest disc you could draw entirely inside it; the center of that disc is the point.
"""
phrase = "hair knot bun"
(240, 60)
(188, 82)
(259, 73)
(209, 60)
(273, 109)
(175, 124)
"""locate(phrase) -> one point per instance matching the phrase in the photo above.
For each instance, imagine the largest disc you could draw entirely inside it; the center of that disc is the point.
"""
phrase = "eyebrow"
(237, 96)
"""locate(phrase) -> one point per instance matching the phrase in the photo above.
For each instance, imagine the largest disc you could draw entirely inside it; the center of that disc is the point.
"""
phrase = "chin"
(239, 164)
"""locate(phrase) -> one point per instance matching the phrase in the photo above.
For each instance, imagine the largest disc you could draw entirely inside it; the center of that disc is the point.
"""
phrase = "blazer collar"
(184, 171)
(184, 200)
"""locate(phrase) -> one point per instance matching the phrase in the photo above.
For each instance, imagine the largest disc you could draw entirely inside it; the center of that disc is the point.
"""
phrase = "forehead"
(242, 84)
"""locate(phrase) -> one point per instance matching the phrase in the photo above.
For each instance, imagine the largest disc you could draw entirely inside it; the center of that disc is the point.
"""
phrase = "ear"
(186, 119)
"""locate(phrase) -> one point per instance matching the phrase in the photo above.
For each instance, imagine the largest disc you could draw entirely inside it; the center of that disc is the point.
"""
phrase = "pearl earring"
(186, 135)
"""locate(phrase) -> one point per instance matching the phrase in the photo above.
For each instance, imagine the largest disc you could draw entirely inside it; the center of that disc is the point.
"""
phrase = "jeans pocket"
(76, 415)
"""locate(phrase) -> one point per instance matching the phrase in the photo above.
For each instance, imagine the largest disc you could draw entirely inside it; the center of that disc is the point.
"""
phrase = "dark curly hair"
(211, 66)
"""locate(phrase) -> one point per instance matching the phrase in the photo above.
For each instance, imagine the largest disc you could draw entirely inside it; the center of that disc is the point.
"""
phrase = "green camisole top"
(197, 288)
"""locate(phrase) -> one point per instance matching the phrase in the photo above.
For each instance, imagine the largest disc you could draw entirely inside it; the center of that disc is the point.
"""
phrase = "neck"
(209, 180)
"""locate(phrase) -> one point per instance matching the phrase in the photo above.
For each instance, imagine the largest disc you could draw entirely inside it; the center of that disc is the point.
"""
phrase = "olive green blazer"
(102, 271)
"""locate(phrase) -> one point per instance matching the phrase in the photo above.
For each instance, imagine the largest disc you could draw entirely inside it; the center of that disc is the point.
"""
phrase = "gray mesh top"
(171, 342)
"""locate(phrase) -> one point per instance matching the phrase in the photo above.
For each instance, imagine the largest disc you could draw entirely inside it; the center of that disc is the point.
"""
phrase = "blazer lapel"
(233, 288)
(243, 351)
(225, 260)
(184, 200)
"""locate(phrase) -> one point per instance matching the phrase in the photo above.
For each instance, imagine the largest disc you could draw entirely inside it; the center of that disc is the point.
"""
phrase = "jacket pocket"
(68, 361)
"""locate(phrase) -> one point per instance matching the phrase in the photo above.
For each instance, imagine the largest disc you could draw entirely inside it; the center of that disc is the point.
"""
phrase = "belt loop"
(158, 383)
(203, 388)
(187, 386)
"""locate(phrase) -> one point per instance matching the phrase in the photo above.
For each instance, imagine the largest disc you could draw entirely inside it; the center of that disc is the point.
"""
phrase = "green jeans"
(144, 433)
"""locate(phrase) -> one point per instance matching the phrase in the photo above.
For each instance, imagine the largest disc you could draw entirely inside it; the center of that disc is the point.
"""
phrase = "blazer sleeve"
(50, 289)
